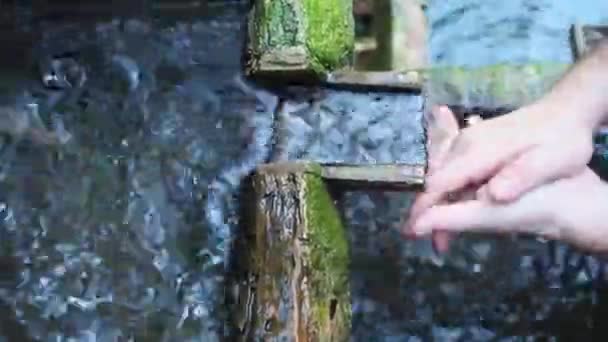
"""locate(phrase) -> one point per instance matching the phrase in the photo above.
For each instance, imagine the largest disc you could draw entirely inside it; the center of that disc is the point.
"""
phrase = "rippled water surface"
(124, 230)
(474, 32)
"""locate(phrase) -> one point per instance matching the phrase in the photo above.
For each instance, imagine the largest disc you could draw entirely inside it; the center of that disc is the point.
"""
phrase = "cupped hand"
(572, 209)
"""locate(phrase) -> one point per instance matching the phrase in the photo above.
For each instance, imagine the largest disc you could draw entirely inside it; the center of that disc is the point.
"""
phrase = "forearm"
(583, 90)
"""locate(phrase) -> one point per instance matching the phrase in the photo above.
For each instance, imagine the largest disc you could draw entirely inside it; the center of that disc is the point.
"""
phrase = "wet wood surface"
(295, 258)
(299, 40)
(398, 177)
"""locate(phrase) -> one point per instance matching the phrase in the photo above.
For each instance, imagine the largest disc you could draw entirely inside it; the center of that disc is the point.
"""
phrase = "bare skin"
(546, 143)
(572, 209)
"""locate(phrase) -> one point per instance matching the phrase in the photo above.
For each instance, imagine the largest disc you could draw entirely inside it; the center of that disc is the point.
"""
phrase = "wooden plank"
(295, 258)
(396, 177)
(296, 40)
(407, 81)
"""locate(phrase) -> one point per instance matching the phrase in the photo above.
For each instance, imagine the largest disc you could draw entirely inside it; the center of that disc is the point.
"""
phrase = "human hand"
(514, 153)
(572, 209)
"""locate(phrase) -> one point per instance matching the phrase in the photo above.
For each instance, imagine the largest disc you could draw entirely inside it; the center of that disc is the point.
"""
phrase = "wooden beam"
(396, 177)
(296, 259)
(407, 81)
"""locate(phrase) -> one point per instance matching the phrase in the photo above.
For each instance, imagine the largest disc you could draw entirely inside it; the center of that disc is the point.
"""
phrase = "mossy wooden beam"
(298, 257)
(487, 87)
(300, 39)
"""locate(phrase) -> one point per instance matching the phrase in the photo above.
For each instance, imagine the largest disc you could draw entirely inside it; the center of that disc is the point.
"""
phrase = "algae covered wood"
(493, 86)
(298, 258)
(300, 39)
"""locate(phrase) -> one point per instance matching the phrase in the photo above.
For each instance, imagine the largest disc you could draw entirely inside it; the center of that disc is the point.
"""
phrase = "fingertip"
(423, 226)
(441, 241)
(443, 109)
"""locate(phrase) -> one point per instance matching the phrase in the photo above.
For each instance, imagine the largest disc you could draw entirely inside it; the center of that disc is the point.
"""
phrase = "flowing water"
(123, 231)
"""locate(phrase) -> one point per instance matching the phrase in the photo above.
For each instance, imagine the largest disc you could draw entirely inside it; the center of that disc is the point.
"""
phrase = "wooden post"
(409, 35)
(300, 39)
(400, 31)
(292, 265)
(297, 260)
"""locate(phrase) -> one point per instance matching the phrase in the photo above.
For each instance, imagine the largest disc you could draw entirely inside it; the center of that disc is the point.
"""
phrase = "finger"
(531, 169)
(441, 241)
(464, 216)
(423, 202)
(442, 129)
(483, 193)
(473, 165)
(440, 238)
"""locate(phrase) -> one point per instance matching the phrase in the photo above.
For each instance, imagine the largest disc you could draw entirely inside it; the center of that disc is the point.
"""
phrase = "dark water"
(123, 232)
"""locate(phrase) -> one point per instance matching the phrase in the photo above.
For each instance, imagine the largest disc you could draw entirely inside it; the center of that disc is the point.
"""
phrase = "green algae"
(329, 256)
(275, 25)
(330, 33)
(301, 36)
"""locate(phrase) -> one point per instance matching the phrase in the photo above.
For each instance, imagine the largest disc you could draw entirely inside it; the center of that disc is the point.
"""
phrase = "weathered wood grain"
(297, 260)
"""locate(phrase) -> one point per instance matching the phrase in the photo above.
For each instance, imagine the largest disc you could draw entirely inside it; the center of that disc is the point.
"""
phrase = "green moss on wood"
(329, 256)
(330, 33)
(300, 37)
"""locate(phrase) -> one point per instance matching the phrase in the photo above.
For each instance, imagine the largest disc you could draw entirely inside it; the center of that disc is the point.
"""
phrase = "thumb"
(463, 216)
